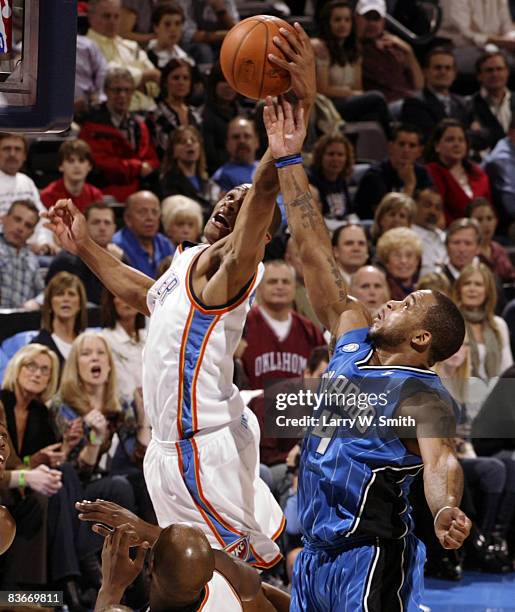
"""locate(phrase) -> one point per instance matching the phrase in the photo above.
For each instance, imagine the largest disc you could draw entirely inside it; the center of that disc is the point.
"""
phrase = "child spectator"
(167, 22)
(75, 163)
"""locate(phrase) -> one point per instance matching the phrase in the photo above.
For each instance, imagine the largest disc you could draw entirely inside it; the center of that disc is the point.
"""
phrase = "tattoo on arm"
(338, 280)
(310, 216)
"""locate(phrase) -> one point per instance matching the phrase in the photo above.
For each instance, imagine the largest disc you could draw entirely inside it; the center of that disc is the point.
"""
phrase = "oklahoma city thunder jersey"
(355, 475)
(188, 356)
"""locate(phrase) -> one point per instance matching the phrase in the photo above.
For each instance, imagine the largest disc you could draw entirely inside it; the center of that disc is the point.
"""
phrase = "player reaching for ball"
(202, 464)
(354, 512)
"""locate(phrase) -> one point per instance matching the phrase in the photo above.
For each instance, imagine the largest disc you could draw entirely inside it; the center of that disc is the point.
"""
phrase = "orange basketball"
(244, 57)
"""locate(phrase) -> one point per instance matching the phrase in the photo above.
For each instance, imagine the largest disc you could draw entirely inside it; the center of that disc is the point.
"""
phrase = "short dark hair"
(408, 128)
(438, 51)
(478, 203)
(447, 327)
(336, 235)
(172, 65)
(488, 55)
(317, 355)
(77, 147)
(460, 224)
(168, 8)
(98, 206)
(27, 204)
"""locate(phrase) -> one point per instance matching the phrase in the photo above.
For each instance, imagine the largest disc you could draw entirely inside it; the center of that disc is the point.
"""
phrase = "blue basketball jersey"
(355, 472)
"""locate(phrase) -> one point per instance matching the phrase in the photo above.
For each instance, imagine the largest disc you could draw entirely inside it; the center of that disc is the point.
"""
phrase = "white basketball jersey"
(188, 356)
(220, 596)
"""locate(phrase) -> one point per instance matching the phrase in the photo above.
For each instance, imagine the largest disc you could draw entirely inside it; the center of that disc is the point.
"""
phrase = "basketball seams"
(235, 57)
(265, 59)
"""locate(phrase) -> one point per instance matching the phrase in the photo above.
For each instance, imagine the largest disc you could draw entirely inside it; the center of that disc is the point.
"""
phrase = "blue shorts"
(381, 576)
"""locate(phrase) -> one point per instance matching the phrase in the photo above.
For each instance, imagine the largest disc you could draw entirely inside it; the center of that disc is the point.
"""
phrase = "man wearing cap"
(389, 64)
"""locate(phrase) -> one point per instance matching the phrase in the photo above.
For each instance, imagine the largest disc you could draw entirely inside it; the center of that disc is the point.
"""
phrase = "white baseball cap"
(366, 6)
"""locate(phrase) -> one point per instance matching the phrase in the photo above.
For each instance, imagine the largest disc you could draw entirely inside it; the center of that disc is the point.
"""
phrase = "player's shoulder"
(354, 341)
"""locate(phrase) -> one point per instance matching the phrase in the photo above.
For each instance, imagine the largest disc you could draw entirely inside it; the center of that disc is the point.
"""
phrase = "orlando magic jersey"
(355, 475)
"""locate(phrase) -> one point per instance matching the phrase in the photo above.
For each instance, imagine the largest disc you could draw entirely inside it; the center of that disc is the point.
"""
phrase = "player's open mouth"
(220, 220)
(2, 458)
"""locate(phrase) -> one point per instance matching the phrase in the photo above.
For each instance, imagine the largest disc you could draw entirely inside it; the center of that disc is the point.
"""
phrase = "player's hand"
(111, 514)
(118, 569)
(68, 224)
(286, 132)
(299, 62)
(452, 528)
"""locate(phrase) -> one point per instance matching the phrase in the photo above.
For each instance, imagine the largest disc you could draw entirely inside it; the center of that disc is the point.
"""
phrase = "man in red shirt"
(75, 163)
(278, 339)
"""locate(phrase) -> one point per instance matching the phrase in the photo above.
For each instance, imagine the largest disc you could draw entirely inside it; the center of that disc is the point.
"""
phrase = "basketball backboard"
(37, 64)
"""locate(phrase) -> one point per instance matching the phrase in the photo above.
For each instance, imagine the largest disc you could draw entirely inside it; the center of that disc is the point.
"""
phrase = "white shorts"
(212, 481)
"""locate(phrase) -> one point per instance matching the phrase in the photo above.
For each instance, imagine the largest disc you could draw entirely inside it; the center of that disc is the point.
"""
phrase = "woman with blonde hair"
(435, 281)
(89, 391)
(394, 210)
(399, 251)
(182, 219)
(64, 315)
(331, 168)
(475, 294)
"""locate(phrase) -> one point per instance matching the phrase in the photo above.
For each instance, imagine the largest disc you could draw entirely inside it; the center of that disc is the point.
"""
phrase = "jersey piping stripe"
(370, 578)
(261, 563)
(215, 311)
(196, 374)
(180, 394)
(357, 519)
(387, 367)
(205, 600)
(402, 576)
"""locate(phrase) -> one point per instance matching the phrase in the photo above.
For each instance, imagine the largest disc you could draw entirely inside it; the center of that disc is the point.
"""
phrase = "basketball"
(244, 57)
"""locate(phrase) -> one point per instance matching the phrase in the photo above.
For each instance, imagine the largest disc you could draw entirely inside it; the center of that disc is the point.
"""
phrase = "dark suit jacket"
(425, 110)
(481, 112)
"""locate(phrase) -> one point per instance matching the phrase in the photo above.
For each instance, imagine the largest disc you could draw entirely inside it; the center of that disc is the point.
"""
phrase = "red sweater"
(56, 191)
(455, 200)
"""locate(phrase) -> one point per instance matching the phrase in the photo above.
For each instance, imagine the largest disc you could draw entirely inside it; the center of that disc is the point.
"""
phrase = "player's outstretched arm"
(443, 476)
(70, 228)
(326, 288)
(255, 217)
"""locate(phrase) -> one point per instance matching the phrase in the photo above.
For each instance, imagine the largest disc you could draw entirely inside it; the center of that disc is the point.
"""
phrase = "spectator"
(493, 106)
(120, 142)
(207, 23)
(394, 210)
(167, 23)
(278, 341)
(368, 285)
(90, 71)
(14, 186)
(20, 280)
(472, 24)
(88, 391)
(399, 172)
(490, 252)
(435, 281)
(104, 21)
(184, 170)
(140, 239)
(221, 107)
(124, 330)
(389, 64)
(63, 316)
(500, 167)
(333, 161)
(172, 110)
(462, 241)
(301, 302)
(429, 210)
(475, 294)
(7, 523)
(457, 178)
(101, 228)
(242, 143)
(435, 101)
(182, 219)
(339, 63)
(399, 250)
(75, 163)
(350, 248)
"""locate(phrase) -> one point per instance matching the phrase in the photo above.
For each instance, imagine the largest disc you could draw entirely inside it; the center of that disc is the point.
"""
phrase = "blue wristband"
(289, 160)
